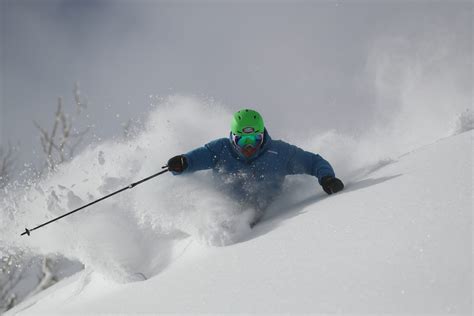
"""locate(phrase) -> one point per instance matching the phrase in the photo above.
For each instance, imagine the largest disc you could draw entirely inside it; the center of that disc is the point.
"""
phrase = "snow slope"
(397, 240)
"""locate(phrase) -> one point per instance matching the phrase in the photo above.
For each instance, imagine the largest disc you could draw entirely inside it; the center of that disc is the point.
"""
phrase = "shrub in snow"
(465, 122)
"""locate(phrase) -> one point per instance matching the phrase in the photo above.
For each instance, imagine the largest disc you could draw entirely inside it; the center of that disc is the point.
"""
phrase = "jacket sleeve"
(304, 162)
(204, 157)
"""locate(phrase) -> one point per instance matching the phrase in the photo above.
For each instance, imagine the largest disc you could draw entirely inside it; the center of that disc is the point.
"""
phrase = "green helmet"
(247, 122)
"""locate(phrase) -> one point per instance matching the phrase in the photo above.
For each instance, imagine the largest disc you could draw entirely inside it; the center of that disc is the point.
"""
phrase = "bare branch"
(58, 145)
(7, 161)
(55, 126)
(78, 141)
(80, 103)
(44, 137)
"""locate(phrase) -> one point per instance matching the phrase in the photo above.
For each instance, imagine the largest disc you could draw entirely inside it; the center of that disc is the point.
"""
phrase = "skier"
(251, 167)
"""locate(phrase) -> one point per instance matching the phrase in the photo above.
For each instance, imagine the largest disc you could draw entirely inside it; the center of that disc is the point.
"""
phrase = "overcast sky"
(304, 62)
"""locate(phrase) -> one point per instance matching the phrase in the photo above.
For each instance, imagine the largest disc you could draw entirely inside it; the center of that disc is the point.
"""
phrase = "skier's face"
(248, 145)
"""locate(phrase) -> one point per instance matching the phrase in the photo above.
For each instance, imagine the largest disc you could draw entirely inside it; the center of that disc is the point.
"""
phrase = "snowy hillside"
(397, 240)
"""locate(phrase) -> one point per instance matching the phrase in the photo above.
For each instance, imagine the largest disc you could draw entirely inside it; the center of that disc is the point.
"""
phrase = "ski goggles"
(245, 141)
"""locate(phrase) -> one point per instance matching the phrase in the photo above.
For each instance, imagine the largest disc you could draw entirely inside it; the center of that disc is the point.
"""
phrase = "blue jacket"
(259, 179)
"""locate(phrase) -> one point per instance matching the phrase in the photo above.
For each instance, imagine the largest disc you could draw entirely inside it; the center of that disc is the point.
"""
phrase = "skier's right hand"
(177, 164)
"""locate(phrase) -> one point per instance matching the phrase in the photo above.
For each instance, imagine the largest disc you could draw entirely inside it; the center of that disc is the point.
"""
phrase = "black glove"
(177, 164)
(331, 184)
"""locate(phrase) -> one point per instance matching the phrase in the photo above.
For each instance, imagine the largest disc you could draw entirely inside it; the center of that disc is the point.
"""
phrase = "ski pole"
(131, 186)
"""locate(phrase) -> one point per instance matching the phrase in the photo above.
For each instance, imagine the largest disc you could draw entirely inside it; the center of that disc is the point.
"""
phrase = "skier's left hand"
(331, 184)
